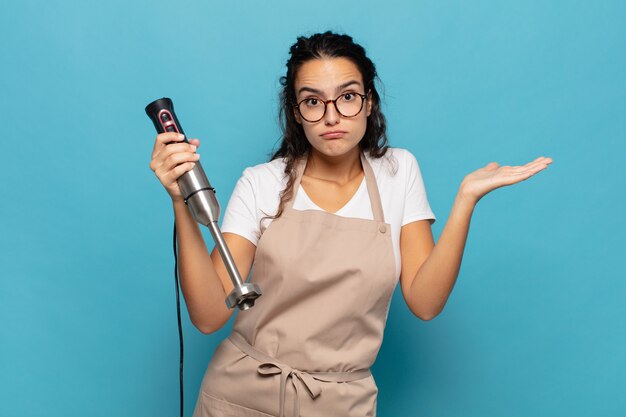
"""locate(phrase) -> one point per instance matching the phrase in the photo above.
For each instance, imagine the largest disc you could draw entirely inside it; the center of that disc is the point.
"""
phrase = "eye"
(311, 101)
(348, 96)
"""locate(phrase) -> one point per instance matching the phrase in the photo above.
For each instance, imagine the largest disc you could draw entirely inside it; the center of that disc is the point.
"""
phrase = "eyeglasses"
(313, 109)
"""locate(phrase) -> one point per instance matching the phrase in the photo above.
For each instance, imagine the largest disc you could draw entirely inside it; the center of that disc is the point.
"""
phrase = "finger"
(527, 167)
(539, 162)
(159, 159)
(529, 171)
(195, 142)
(531, 163)
(163, 139)
(174, 148)
(179, 158)
(541, 159)
(173, 164)
(175, 173)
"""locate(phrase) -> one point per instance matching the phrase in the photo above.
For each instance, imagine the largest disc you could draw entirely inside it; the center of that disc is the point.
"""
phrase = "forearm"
(435, 279)
(200, 283)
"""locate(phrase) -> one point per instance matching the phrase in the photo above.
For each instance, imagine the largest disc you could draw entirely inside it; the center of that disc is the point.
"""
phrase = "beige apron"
(305, 348)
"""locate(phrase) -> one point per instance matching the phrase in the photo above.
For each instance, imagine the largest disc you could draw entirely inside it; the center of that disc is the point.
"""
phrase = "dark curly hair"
(294, 142)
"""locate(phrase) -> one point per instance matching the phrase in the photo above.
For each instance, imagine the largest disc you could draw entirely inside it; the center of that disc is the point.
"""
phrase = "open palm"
(492, 176)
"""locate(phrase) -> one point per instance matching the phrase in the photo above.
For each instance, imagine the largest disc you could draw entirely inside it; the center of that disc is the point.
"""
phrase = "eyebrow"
(341, 87)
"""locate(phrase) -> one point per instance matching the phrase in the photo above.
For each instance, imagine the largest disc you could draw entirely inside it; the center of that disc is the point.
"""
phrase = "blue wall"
(535, 325)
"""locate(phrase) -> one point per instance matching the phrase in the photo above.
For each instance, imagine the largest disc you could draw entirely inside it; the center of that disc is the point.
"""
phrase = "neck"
(340, 169)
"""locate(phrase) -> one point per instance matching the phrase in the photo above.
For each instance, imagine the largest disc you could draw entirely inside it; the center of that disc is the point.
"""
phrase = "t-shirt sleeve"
(240, 216)
(416, 205)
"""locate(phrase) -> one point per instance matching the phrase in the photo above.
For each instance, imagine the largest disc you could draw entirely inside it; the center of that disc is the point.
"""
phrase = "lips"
(333, 134)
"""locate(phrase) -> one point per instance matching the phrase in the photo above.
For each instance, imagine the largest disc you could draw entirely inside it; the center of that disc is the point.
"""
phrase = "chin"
(336, 147)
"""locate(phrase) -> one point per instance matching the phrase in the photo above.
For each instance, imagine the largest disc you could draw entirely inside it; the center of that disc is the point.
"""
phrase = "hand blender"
(200, 198)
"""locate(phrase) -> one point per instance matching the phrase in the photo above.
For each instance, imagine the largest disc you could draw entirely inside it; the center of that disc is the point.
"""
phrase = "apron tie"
(312, 386)
(270, 366)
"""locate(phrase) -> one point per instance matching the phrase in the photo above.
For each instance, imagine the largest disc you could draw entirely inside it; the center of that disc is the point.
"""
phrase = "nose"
(331, 117)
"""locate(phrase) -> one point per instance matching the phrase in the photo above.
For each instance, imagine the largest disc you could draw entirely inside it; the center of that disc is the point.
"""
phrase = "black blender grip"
(161, 112)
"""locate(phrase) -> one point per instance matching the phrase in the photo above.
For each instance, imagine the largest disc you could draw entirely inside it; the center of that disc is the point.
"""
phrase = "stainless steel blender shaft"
(205, 210)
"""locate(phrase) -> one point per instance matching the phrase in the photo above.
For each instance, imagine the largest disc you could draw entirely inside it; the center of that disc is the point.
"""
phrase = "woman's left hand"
(475, 185)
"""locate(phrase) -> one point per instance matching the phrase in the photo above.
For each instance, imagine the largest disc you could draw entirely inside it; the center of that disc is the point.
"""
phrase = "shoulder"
(267, 173)
(395, 162)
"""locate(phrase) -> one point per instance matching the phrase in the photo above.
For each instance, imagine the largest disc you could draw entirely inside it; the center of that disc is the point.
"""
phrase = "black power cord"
(180, 328)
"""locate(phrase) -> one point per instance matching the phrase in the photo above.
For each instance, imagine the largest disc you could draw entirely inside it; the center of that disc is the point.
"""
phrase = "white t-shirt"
(399, 180)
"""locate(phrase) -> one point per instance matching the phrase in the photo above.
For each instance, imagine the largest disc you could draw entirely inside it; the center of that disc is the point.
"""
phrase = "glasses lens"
(311, 109)
(349, 104)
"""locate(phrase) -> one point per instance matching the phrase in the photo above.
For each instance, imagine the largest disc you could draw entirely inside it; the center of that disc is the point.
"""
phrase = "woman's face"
(326, 79)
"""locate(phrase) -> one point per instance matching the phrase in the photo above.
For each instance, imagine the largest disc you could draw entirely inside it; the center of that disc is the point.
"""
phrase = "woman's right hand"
(171, 161)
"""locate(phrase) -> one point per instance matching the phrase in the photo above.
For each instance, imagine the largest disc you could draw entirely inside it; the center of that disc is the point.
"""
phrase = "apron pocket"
(216, 407)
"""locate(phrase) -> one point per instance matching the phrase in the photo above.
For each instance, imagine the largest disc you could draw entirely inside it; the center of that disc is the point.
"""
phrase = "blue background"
(535, 325)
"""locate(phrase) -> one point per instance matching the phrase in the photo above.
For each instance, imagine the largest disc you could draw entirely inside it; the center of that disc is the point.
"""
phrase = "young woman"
(332, 223)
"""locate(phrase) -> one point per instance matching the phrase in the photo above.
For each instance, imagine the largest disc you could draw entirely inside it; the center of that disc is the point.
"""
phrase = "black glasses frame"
(363, 100)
